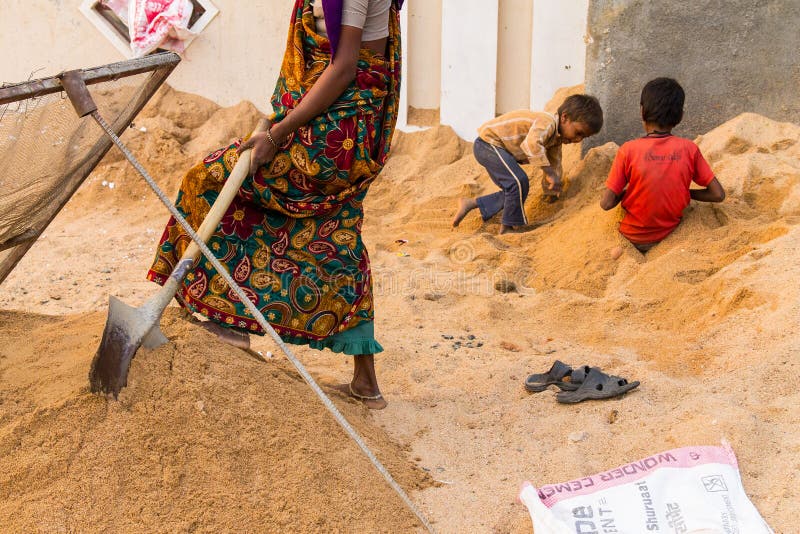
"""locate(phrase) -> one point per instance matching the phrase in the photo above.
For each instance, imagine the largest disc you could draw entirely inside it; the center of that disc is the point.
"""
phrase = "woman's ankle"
(364, 379)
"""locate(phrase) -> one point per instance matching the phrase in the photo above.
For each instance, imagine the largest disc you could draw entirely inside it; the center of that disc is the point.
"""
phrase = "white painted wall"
(424, 58)
(470, 58)
(469, 64)
(402, 112)
(514, 55)
(237, 57)
(559, 51)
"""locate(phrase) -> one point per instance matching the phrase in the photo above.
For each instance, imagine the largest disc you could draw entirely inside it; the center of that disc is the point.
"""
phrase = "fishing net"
(47, 151)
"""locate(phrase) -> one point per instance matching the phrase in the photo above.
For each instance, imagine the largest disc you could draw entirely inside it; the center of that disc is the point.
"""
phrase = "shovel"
(127, 328)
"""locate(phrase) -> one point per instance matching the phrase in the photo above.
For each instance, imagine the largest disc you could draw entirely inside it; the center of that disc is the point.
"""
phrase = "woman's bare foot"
(364, 385)
(373, 402)
(231, 336)
(465, 205)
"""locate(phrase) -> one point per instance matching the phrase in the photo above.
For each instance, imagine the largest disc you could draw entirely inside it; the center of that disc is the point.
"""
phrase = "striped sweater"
(530, 136)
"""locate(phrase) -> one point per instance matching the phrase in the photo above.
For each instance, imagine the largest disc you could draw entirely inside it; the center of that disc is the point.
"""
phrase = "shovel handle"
(220, 206)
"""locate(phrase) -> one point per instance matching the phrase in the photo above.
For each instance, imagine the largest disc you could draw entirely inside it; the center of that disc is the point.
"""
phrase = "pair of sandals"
(580, 384)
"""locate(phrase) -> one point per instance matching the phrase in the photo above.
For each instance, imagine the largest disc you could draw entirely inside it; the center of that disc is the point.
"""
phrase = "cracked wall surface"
(731, 56)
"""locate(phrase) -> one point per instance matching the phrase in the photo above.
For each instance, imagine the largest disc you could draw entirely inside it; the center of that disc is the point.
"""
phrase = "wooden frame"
(159, 65)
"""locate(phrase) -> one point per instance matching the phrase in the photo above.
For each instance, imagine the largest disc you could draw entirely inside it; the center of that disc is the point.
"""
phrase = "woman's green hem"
(355, 341)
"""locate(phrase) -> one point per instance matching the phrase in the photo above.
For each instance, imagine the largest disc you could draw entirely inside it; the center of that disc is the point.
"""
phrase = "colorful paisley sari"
(292, 237)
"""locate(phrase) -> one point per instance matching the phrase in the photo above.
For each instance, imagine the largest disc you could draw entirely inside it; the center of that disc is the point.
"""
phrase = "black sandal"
(597, 385)
(560, 374)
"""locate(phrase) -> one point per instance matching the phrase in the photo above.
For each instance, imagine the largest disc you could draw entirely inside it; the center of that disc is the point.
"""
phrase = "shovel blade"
(126, 328)
(154, 338)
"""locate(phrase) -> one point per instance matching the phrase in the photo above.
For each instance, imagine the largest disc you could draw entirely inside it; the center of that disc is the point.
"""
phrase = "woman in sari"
(292, 237)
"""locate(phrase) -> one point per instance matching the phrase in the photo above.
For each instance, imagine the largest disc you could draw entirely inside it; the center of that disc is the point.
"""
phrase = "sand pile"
(709, 316)
(204, 437)
(755, 159)
(708, 321)
(171, 134)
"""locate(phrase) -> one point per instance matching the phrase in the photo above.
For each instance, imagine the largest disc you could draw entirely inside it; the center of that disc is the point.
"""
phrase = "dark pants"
(644, 247)
(509, 177)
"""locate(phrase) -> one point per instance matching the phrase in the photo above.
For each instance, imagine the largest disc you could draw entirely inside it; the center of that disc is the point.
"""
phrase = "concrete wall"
(237, 57)
(730, 56)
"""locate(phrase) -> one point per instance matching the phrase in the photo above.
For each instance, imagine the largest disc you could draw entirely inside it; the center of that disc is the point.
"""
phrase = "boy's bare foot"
(465, 205)
(504, 229)
(615, 252)
(231, 336)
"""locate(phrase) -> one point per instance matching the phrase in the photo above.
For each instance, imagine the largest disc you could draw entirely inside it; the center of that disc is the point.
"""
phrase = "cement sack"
(687, 490)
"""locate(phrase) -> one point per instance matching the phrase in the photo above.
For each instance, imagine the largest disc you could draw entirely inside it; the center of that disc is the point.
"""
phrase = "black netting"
(46, 150)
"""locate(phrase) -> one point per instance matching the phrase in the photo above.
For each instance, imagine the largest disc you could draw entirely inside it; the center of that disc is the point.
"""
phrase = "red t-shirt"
(658, 172)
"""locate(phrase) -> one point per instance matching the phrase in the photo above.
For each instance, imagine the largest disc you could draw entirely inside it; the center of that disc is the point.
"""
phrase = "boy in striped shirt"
(527, 137)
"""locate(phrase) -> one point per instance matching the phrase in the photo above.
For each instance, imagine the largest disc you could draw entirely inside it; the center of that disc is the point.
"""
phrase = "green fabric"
(355, 341)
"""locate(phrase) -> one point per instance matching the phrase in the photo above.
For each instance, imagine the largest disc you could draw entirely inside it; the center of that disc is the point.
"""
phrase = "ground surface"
(206, 438)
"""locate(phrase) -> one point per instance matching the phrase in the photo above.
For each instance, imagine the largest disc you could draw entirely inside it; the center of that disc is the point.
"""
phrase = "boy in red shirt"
(651, 175)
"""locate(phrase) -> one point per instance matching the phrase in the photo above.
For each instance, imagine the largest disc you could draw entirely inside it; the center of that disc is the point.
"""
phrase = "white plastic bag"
(688, 490)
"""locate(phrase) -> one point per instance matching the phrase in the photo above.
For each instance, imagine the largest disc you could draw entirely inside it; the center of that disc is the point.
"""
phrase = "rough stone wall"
(730, 56)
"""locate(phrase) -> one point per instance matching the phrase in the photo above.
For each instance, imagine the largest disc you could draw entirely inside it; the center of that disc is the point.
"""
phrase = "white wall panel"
(402, 113)
(558, 57)
(469, 64)
(424, 56)
(514, 55)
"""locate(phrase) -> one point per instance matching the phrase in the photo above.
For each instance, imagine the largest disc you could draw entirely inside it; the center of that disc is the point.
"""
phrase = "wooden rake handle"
(226, 196)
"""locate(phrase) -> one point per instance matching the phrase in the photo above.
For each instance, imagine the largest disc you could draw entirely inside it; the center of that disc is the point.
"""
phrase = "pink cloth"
(120, 7)
(155, 23)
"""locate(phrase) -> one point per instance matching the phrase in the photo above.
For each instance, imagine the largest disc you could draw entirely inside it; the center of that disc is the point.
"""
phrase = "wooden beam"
(113, 71)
